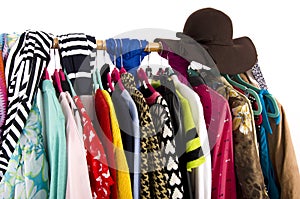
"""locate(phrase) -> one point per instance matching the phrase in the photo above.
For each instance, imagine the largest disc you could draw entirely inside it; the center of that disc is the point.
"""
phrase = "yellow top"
(123, 177)
(193, 145)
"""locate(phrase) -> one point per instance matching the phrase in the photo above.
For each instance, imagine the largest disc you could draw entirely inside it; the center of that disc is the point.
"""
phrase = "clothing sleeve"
(283, 157)
(123, 177)
(194, 153)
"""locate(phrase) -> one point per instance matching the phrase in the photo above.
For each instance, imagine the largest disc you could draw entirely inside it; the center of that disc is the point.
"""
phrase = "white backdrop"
(273, 27)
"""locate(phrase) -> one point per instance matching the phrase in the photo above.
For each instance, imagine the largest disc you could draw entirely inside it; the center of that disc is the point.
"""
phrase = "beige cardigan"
(283, 157)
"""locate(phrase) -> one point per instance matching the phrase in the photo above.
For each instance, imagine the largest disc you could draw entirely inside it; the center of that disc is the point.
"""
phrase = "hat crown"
(209, 26)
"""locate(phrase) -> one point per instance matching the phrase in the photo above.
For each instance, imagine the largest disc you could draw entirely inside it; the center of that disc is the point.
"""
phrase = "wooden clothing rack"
(101, 45)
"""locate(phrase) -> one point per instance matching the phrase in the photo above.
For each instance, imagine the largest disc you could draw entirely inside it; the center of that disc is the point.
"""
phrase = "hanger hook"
(140, 49)
(160, 54)
(104, 52)
(121, 52)
(115, 53)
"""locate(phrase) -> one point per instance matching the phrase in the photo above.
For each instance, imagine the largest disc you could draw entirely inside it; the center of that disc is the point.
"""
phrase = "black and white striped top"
(76, 50)
(23, 72)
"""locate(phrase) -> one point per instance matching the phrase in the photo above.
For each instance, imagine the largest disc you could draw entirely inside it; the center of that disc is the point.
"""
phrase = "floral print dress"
(27, 173)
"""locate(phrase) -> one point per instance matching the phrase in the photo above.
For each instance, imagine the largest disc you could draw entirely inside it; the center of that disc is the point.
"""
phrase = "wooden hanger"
(151, 47)
(55, 43)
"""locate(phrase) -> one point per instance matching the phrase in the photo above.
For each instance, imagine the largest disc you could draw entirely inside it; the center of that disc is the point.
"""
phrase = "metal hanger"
(98, 69)
(115, 74)
(108, 76)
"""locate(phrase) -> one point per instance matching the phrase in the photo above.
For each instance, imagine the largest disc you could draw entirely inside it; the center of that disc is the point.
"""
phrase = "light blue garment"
(265, 161)
(27, 173)
(1, 40)
(137, 144)
(55, 141)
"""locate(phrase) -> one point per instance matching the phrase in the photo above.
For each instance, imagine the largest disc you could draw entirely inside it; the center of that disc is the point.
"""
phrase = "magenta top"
(219, 125)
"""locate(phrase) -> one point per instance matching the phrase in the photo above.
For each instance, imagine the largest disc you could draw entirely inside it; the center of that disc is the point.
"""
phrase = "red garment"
(103, 115)
(99, 173)
(219, 124)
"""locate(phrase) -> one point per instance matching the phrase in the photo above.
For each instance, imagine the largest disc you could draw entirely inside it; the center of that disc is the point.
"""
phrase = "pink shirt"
(78, 182)
(219, 125)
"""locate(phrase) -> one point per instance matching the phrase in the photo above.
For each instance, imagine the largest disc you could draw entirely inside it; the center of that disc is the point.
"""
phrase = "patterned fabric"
(259, 76)
(282, 155)
(3, 94)
(246, 159)
(27, 172)
(96, 158)
(219, 125)
(2, 35)
(6, 43)
(23, 72)
(151, 168)
(123, 177)
(168, 92)
(163, 127)
(75, 49)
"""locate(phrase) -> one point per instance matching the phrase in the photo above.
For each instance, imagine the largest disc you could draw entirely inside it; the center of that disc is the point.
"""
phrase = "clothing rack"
(101, 45)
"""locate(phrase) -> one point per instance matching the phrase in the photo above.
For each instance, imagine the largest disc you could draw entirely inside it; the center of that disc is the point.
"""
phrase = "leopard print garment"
(256, 71)
(247, 165)
(153, 180)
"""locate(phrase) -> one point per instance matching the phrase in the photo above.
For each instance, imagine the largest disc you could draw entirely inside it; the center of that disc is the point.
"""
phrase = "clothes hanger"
(193, 73)
(122, 70)
(58, 67)
(70, 84)
(97, 72)
(241, 81)
(55, 75)
(144, 80)
(46, 75)
(56, 81)
(95, 82)
(62, 75)
(94, 78)
(143, 76)
(110, 82)
(276, 112)
(247, 91)
(149, 71)
(163, 72)
(108, 76)
(115, 75)
(51, 65)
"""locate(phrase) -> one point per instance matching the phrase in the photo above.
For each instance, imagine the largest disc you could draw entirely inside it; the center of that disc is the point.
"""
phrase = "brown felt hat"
(213, 30)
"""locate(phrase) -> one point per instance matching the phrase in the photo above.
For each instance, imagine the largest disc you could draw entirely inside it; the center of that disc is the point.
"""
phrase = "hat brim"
(188, 49)
(234, 59)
